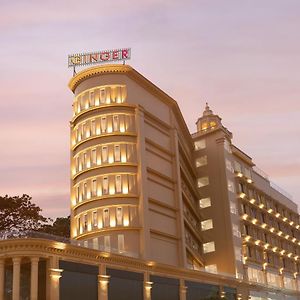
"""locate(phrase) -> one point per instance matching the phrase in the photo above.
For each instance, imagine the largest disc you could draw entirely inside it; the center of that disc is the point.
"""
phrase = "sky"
(242, 57)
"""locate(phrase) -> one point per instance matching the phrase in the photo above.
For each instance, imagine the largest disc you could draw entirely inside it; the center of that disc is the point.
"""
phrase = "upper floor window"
(209, 247)
(203, 181)
(201, 161)
(106, 217)
(200, 144)
(204, 202)
(103, 124)
(206, 224)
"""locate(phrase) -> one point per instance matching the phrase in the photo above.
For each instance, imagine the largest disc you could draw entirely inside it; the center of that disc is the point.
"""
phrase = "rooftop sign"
(82, 59)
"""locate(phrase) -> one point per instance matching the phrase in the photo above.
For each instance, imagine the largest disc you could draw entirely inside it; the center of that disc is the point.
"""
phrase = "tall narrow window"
(104, 154)
(77, 193)
(85, 222)
(92, 98)
(119, 216)
(95, 219)
(107, 243)
(105, 186)
(103, 124)
(78, 225)
(102, 96)
(93, 127)
(94, 157)
(118, 184)
(121, 246)
(84, 131)
(85, 190)
(117, 153)
(94, 187)
(85, 160)
(105, 217)
(116, 122)
(230, 185)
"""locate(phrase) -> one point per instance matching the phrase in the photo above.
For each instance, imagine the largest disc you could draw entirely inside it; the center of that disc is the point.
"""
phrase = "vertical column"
(142, 181)
(147, 286)
(34, 278)
(2, 278)
(182, 290)
(16, 278)
(54, 275)
(103, 281)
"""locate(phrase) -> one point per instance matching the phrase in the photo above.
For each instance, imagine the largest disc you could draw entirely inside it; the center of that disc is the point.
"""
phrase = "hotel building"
(157, 212)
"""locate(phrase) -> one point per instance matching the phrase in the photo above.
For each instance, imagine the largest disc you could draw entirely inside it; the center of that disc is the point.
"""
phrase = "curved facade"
(104, 168)
(133, 186)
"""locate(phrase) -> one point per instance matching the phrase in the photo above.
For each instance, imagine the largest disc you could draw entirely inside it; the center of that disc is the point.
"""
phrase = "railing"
(31, 234)
(272, 184)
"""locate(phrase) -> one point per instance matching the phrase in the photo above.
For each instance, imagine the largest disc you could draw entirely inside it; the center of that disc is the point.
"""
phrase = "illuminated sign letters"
(82, 59)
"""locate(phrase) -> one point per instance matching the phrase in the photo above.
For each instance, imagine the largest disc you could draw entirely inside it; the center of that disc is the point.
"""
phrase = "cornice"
(94, 71)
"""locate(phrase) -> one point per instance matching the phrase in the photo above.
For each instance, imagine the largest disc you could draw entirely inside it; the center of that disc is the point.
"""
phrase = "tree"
(19, 214)
(60, 227)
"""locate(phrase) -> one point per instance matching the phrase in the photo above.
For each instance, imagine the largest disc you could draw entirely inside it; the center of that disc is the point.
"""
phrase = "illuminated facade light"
(249, 180)
(245, 216)
(284, 219)
(247, 238)
(279, 233)
(257, 242)
(264, 225)
(270, 210)
(266, 246)
(242, 195)
(277, 215)
(252, 201)
(239, 174)
(261, 205)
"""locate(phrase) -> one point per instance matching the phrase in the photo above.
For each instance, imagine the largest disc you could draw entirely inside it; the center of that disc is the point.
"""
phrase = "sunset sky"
(243, 57)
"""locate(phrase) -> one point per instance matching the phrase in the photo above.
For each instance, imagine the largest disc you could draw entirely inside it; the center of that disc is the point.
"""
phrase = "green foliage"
(19, 214)
(60, 227)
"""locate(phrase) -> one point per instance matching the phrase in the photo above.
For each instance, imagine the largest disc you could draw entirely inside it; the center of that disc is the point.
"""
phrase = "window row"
(105, 185)
(99, 96)
(273, 222)
(105, 154)
(102, 125)
(272, 239)
(107, 217)
(239, 168)
(267, 203)
(106, 243)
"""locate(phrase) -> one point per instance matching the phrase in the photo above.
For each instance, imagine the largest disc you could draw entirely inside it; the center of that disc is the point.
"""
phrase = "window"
(85, 190)
(237, 167)
(121, 243)
(117, 153)
(78, 226)
(105, 185)
(247, 173)
(84, 159)
(203, 181)
(201, 161)
(207, 224)
(204, 202)
(94, 187)
(102, 96)
(118, 184)
(201, 144)
(95, 243)
(233, 208)
(94, 157)
(85, 223)
(77, 193)
(105, 217)
(229, 165)
(103, 124)
(230, 186)
(236, 231)
(107, 243)
(119, 216)
(95, 219)
(104, 154)
(211, 268)
(93, 127)
(116, 122)
(84, 131)
(209, 247)
(92, 98)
